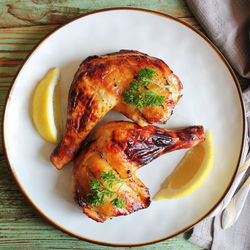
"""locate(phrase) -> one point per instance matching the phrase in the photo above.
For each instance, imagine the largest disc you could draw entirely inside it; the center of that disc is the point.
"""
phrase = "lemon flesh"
(190, 173)
(46, 112)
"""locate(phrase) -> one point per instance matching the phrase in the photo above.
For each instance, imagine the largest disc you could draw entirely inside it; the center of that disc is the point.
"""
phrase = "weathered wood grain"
(21, 13)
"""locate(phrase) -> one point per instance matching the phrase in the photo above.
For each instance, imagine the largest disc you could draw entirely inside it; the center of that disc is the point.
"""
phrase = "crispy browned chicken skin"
(123, 147)
(98, 86)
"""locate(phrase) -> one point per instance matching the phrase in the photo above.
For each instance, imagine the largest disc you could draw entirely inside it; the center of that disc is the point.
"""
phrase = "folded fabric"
(227, 24)
(209, 234)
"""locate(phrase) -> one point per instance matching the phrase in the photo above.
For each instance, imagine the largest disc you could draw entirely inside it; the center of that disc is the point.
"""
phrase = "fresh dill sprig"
(138, 97)
(99, 190)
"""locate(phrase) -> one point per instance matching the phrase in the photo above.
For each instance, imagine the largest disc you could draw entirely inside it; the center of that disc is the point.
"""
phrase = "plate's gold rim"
(162, 15)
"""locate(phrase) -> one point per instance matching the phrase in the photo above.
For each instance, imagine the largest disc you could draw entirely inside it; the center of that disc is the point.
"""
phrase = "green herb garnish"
(100, 190)
(118, 202)
(138, 94)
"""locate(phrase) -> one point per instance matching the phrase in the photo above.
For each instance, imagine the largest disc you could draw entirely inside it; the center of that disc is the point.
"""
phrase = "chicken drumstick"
(98, 87)
(104, 179)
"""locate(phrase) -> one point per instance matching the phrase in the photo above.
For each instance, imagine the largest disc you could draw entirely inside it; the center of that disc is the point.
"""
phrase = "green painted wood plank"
(14, 54)
(9, 70)
(4, 80)
(20, 13)
(16, 46)
(35, 35)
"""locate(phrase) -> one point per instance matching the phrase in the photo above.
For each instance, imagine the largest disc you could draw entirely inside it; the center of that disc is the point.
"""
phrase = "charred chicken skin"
(120, 148)
(98, 87)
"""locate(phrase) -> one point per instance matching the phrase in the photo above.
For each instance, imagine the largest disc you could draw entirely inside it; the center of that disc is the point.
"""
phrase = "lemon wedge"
(190, 173)
(46, 107)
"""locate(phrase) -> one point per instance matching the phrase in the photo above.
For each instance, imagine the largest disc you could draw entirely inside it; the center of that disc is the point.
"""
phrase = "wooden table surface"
(22, 25)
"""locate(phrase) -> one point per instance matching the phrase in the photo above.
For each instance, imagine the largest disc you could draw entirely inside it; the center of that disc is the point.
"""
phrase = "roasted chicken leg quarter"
(104, 179)
(98, 87)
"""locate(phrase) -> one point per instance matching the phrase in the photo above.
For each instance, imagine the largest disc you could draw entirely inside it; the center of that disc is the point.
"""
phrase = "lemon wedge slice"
(190, 173)
(46, 107)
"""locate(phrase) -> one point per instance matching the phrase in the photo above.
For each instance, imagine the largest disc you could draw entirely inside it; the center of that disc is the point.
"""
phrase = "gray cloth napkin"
(209, 234)
(227, 23)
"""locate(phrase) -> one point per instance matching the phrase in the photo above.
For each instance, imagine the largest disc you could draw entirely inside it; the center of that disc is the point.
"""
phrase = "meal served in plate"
(104, 179)
(144, 89)
(141, 87)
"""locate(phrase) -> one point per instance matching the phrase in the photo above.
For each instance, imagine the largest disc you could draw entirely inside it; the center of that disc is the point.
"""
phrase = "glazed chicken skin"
(122, 148)
(98, 87)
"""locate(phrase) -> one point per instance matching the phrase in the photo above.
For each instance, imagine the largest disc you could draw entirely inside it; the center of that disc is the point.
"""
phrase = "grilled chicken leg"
(98, 86)
(122, 148)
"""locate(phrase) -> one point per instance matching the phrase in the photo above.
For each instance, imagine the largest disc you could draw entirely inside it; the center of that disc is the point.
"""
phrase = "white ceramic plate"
(211, 97)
